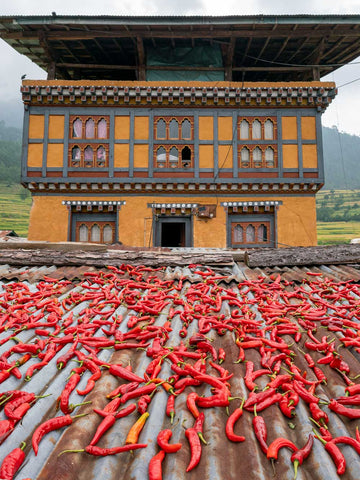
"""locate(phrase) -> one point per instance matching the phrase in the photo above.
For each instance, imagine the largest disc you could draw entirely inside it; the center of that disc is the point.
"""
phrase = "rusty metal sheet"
(220, 458)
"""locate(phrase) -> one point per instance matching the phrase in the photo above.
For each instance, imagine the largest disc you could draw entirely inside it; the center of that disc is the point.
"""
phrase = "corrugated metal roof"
(255, 292)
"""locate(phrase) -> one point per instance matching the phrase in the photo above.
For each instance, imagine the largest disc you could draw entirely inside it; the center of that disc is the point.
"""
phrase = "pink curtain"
(77, 128)
(102, 129)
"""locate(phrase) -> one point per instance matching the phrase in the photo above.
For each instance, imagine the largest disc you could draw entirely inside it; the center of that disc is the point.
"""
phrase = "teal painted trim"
(24, 146)
(111, 143)
(279, 143)
(216, 145)
(235, 168)
(300, 152)
(131, 149)
(66, 143)
(196, 144)
(45, 146)
(55, 140)
(122, 141)
(320, 148)
(151, 144)
(36, 140)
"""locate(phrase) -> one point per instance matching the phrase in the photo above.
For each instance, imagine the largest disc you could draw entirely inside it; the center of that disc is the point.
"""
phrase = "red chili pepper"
(221, 355)
(192, 434)
(122, 389)
(120, 371)
(163, 442)
(260, 431)
(104, 452)
(145, 390)
(170, 407)
(12, 405)
(287, 409)
(317, 414)
(229, 428)
(143, 403)
(12, 462)
(340, 409)
(191, 404)
(255, 398)
(6, 427)
(348, 441)
(65, 394)
(104, 426)
(353, 400)
(353, 389)
(277, 444)
(335, 454)
(155, 466)
(298, 457)
(49, 426)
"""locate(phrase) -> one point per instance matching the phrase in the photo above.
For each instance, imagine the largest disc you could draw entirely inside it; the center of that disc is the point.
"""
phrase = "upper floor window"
(257, 128)
(170, 128)
(258, 156)
(89, 127)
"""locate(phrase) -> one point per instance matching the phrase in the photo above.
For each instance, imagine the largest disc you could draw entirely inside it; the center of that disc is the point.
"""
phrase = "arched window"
(173, 129)
(269, 157)
(245, 157)
(250, 234)
(101, 156)
(268, 130)
(108, 234)
(238, 234)
(262, 233)
(257, 157)
(186, 157)
(83, 233)
(95, 233)
(256, 130)
(88, 156)
(244, 130)
(161, 157)
(173, 157)
(77, 128)
(102, 128)
(161, 129)
(186, 130)
(75, 156)
(90, 128)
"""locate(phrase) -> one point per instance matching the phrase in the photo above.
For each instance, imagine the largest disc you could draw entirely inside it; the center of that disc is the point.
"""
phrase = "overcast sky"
(343, 112)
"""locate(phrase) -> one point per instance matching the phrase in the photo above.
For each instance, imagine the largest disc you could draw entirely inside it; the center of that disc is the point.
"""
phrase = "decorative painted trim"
(77, 205)
(316, 96)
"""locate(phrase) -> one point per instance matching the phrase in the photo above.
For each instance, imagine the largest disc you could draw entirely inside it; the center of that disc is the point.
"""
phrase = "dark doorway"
(173, 235)
(173, 232)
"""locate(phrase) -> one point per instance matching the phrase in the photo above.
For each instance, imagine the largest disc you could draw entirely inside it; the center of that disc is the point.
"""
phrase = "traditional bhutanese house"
(178, 131)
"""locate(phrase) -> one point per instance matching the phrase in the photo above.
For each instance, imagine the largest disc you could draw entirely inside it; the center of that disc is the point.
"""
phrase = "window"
(90, 128)
(269, 158)
(268, 130)
(244, 130)
(173, 129)
(92, 154)
(245, 157)
(257, 157)
(186, 130)
(250, 233)
(161, 129)
(95, 231)
(173, 133)
(256, 130)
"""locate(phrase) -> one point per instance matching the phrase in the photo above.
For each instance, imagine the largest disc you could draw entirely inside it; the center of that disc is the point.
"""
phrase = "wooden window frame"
(262, 120)
(170, 165)
(84, 118)
(82, 147)
(256, 224)
(90, 224)
(263, 148)
(167, 120)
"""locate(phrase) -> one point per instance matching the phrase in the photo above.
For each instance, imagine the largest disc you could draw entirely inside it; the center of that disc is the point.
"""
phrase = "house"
(178, 131)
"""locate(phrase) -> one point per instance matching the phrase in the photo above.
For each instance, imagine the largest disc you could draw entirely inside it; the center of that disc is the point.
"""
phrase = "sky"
(342, 113)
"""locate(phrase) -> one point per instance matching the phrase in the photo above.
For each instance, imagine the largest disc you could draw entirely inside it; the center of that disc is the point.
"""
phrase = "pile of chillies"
(284, 340)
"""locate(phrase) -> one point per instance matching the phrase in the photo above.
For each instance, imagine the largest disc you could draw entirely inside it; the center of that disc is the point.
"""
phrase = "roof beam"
(141, 59)
(229, 59)
(181, 33)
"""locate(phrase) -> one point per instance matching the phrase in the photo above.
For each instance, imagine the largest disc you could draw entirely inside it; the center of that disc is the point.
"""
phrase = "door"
(173, 232)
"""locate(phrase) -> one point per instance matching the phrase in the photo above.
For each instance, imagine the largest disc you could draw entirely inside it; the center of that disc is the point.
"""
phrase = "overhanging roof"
(254, 48)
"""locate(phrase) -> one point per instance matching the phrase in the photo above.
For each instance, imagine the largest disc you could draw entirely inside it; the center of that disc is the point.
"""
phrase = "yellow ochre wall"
(296, 220)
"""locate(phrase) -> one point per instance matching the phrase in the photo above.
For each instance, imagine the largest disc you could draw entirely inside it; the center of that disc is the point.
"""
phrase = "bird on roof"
(23, 76)
(53, 14)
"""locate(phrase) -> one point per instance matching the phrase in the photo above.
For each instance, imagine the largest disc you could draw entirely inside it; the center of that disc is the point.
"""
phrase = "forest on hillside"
(341, 154)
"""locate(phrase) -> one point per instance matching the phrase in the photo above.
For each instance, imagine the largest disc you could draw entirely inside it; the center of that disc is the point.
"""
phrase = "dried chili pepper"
(277, 444)
(191, 404)
(104, 452)
(12, 462)
(163, 442)
(260, 431)
(340, 409)
(155, 466)
(336, 454)
(6, 427)
(192, 434)
(103, 427)
(49, 426)
(170, 407)
(230, 423)
(298, 457)
(135, 430)
(143, 403)
(120, 371)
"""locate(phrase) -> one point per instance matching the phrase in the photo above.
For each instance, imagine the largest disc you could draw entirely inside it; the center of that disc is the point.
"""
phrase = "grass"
(15, 204)
(334, 233)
